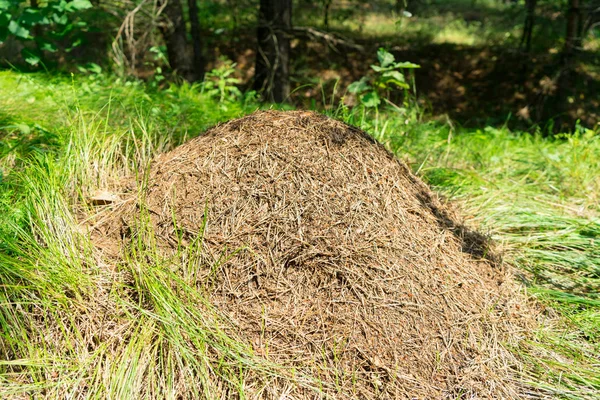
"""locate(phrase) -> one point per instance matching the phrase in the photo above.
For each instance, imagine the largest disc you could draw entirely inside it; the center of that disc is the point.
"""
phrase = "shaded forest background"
(526, 63)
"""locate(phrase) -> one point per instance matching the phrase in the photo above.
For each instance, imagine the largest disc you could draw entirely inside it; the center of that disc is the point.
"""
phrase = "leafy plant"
(386, 76)
(220, 84)
(52, 26)
(159, 60)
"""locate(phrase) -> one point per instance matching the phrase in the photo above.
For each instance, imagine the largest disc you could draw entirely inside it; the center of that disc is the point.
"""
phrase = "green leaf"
(402, 85)
(94, 68)
(377, 68)
(60, 19)
(77, 42)
(59, 6)
(370, 99)
(385, 57)
(78, 5)
(396, 75)
(407, 65)
(396, 78)
(30, 58)
(359, 86)
(32, 17)
(47, 46)
(18, 30)
(5, 5)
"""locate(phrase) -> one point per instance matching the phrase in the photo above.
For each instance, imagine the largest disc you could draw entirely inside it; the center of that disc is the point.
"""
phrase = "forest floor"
(474, 68)
(62, 141)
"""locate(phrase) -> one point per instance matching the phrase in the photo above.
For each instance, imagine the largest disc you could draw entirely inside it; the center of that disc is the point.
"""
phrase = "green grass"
(67, 321)
(137, 328)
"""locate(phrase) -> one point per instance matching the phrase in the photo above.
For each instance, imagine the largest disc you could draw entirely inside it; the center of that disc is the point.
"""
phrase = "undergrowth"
(69, 322)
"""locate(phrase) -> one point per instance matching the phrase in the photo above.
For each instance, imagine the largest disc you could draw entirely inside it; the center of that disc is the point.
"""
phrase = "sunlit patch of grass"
(453, 22)
(369, 25)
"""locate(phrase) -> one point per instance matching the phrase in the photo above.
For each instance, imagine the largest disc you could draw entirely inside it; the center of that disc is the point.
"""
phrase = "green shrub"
(51, 27)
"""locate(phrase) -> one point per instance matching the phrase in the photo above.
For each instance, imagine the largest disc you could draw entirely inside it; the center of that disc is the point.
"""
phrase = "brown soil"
(328, 255)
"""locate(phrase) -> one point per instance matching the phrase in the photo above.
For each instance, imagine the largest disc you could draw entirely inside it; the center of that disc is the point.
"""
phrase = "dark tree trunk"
(273, 52)
(529, 22)
(327, 6)
(198, 66)
(574, 27)
(567, 75)
(175, 35)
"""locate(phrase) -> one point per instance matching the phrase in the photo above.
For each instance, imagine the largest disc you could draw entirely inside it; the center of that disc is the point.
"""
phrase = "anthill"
(325, 254)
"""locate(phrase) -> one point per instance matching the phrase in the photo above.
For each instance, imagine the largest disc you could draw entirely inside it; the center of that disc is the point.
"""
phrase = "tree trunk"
(175, 35)
(573, 38)
(529, 22)
(327, 6)
(273, 52)
(567, 75)
(198, 66)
